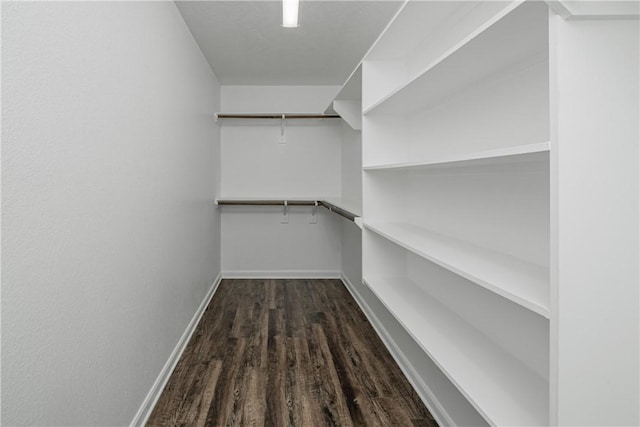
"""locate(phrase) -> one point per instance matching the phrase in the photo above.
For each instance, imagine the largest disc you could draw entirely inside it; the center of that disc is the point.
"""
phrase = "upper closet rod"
(277, 116)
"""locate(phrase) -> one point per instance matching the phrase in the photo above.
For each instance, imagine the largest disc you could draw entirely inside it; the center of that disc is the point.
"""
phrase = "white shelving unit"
(419, 38)
(489, 92)
(489, 378)
(493, 351)
(509, 38)
(473, 164)
(456, 196)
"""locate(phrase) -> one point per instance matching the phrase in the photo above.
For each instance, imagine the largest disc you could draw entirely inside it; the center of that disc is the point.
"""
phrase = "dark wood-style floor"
(287, 353)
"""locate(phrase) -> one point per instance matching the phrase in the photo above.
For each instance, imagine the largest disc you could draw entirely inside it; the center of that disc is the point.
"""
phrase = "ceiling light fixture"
(290, 13)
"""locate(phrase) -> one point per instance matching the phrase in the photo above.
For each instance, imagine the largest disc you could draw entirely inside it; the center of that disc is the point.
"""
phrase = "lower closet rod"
(268, 202)
(332, 208)
(285, 116)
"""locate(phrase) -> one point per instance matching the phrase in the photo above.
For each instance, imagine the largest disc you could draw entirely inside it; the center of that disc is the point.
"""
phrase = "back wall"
(255, 164)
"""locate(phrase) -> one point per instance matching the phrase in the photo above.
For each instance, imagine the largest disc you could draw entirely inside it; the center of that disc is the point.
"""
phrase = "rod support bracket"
(283, 131)
(313, 219)
(285, 214)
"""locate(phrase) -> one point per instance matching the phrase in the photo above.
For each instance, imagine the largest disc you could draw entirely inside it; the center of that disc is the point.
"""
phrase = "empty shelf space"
(502, 389)
(529, 153)
(522, 282)
(497, 45)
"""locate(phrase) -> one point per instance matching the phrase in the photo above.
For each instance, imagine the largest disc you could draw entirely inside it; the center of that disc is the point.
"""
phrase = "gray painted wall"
(110, 237)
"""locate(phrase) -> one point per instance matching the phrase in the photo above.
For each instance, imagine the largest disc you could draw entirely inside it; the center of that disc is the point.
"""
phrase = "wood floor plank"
(277, 410)
(271, 294)
(290, 352)
(354, 356)
(304, 393)
(255, 407)
(357, 385)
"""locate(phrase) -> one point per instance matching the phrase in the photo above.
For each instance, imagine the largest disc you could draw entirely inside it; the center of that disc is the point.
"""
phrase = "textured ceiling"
(245, 43)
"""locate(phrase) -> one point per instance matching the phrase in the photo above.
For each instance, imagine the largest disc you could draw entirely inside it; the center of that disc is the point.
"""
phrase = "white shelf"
(350, 111)
(519, 281)
(352, 88)
(500, 43)
(503, 390)
(348, 102)
(351, 91)
(529, 153)
(419, 33)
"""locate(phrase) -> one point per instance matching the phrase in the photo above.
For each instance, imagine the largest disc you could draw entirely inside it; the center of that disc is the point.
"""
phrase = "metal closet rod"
(277, 116)
(335, 209)
(269, 202)
(332, 208)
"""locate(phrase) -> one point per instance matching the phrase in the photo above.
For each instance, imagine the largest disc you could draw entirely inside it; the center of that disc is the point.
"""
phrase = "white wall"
(256, 244)
(255, 164)
(351, 192)
(110, 239)
(277, 99)
(351, 166)
(595, 209)
(351, 245)
(307, 166)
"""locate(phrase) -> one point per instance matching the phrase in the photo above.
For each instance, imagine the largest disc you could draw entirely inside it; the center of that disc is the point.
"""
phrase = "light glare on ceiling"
(290, 13)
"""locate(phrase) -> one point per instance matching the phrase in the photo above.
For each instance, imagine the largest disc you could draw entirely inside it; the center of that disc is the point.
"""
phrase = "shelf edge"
(532, 306)
(442, 58)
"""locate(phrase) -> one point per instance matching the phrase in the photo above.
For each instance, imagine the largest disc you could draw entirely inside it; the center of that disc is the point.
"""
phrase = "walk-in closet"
(316, 212)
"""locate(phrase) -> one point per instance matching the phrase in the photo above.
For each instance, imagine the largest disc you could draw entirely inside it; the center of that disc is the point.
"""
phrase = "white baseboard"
(150, 401)
(281, 274)
(422, 389)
